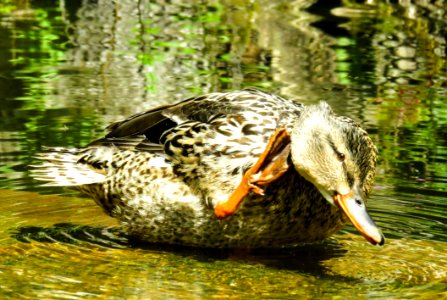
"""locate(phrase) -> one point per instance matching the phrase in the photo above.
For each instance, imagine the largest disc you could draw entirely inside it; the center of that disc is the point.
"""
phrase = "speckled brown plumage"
(162, 172)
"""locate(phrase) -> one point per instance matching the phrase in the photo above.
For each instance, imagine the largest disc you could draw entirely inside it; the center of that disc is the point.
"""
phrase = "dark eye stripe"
(341, 156)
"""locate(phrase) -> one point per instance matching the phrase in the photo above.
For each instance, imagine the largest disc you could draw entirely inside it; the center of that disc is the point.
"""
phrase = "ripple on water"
(413, 214)
(401, 261)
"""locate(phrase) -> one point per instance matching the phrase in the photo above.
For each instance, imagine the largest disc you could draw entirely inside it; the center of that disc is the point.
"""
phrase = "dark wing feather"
(138, 123)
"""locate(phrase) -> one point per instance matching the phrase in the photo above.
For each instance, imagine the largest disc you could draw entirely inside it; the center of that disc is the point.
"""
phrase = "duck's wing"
(203, 109)
(155, 122)
(142, 131)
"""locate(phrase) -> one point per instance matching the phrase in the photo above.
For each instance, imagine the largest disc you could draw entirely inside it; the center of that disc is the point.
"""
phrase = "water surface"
(68, 69)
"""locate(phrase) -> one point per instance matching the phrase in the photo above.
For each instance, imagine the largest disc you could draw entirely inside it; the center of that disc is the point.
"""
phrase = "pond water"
(68, 69)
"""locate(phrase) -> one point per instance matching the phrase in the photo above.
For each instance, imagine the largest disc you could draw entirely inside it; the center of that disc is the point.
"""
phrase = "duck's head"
(339, 159)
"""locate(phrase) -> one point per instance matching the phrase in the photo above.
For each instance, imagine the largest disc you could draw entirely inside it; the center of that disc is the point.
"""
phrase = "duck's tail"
(69, 167)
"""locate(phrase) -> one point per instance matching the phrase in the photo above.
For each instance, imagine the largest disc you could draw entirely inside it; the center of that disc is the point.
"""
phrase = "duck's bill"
(355, 209)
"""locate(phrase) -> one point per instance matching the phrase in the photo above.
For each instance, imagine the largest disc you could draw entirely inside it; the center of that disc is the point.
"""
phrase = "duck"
(239, 169)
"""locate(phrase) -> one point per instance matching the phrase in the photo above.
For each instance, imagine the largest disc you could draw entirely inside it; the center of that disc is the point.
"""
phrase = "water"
(67, 69)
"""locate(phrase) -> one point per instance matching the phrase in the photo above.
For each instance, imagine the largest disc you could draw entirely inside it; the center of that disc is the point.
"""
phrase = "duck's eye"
(341, 156)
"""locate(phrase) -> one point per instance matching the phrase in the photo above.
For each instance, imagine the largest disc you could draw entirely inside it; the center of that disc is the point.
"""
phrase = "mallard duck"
(238, 169)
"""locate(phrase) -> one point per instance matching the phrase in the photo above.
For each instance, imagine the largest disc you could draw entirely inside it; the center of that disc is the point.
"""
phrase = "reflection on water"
(68, 69)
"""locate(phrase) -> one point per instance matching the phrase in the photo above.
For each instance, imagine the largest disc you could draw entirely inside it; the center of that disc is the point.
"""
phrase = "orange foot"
(272, 163)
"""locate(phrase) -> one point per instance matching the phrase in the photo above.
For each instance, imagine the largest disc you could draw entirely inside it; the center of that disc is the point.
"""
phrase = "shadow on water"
(303, 258)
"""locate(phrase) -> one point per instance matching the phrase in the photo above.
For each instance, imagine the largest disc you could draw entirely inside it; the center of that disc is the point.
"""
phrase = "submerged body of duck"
(166, 173)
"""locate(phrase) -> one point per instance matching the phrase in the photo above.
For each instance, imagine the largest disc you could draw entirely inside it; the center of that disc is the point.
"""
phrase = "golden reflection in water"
(63, 265)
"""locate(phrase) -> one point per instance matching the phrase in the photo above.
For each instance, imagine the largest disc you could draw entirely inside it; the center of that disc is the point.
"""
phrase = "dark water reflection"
(67, 69)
